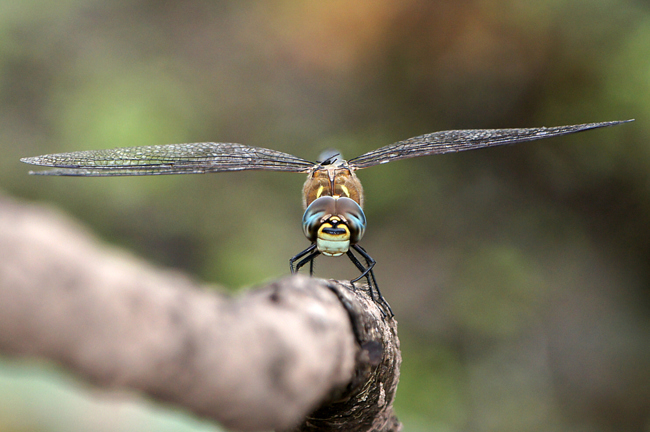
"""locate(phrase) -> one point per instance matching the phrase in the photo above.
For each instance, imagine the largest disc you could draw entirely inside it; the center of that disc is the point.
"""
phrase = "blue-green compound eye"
(326, 207)
(355, 219)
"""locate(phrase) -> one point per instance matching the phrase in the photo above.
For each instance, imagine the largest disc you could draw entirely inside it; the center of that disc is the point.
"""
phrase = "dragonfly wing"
(195, 158)
(460, 140)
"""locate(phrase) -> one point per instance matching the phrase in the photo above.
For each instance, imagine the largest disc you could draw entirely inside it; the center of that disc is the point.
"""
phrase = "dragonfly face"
(332, 195)
(334, 223)
(333, 218)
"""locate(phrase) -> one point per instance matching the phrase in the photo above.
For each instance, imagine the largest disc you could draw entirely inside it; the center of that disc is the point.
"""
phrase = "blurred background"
(519, 275)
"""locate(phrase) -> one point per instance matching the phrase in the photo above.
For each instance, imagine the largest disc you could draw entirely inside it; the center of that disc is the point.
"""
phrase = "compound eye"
(317, 211)
(353, 216)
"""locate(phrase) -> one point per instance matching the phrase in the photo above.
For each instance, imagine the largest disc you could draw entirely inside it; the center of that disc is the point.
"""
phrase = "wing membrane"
(460, 140)
(195, 158)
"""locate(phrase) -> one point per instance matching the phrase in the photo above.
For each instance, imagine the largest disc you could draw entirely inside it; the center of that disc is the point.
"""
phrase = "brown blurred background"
(519, 275)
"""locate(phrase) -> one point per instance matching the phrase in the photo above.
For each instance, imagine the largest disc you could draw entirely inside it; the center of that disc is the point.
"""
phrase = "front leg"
(311, 252)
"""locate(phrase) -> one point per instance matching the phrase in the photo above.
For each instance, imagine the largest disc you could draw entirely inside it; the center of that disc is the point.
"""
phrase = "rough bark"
(298, 351)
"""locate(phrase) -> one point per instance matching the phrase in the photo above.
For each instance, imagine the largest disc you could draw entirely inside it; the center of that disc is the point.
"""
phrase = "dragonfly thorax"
(336, 180)
(334, 223)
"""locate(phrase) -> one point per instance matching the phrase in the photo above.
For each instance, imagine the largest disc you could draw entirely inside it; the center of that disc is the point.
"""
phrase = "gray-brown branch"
(297, 354)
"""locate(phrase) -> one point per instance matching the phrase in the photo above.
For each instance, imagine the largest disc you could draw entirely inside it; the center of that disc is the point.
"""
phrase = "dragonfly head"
(334, 223)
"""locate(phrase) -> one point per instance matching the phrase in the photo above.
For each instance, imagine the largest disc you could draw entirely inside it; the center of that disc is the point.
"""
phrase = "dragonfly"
(333, 221)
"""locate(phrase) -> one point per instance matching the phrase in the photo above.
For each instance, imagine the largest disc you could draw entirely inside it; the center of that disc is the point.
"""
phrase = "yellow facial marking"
(320, 191)
(345, 189)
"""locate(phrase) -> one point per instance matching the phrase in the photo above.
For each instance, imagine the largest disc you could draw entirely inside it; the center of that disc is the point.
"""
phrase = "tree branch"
(263, 360)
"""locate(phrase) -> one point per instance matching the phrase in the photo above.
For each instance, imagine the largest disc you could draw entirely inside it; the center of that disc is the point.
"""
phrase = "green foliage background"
(519, 275)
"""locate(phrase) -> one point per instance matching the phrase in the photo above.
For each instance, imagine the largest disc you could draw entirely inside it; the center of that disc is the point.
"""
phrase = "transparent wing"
(196, 158)
(459, 140)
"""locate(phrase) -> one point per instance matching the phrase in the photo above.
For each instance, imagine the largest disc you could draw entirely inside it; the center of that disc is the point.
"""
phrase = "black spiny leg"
(311, 252)
(370, 277)
(364, 272)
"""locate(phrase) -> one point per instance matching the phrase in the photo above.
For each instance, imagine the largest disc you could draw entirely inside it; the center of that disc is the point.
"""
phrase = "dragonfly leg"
(364, 271)
(298, 256)
(311, 252)
(370, 277)
(308, 259)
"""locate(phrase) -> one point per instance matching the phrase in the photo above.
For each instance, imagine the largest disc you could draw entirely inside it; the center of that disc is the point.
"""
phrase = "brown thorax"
(335, 180)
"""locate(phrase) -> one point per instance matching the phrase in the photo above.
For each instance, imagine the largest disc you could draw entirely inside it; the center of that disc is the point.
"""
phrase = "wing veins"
(461, 140)
(193, 158)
